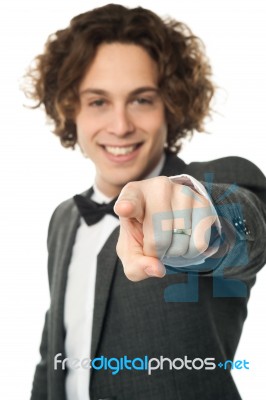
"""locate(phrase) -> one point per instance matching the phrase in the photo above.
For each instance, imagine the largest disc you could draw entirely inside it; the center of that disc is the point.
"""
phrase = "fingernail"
(158, 272)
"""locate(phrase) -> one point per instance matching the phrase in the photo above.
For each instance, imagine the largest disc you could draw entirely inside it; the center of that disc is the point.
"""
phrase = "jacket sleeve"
(242, 250)
(237, 189)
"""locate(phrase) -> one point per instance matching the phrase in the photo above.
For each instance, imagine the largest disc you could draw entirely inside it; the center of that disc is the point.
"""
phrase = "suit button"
(240, 225)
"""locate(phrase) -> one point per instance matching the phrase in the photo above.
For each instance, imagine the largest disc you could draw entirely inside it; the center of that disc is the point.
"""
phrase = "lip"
(121, 158)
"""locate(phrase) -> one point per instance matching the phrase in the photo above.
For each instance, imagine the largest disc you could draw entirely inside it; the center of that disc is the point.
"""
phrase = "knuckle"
(161, 246)
(130, 185)
(201, 246)
(177, 250)
(131, 277)
(202, 201)
(181, 250)
(188, 191)
(161, 182)
(131, 272)
(164, 180)
(156, 247)
(121, 251)
(119, 244)
(118, 249)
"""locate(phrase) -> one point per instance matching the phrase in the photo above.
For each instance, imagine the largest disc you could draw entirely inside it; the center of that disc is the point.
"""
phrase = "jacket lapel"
(173, 166)
(61, 256)
(106, 263)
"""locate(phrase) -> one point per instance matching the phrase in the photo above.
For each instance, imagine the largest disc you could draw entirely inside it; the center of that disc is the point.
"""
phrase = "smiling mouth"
(121, 150)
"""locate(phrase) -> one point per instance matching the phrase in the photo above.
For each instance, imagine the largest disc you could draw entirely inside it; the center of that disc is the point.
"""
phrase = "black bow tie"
(91, 211)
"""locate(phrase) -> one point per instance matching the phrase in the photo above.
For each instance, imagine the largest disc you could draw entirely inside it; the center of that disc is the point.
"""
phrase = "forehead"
(118, 66)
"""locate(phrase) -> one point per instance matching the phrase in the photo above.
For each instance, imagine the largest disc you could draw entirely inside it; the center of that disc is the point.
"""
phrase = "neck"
(108, 191)
(111, 190)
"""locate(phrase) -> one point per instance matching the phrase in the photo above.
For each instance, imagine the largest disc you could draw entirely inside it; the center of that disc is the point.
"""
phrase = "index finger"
(130, 203)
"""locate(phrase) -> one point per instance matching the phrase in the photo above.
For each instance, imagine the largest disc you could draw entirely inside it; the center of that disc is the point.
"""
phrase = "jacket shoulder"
(61, 214)
(64, 213)
(230, 170)
(61, 234)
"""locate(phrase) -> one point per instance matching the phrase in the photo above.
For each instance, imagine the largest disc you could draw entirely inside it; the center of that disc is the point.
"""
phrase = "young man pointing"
(126, 87)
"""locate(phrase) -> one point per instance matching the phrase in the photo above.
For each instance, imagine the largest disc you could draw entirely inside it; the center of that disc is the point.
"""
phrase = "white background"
(36, 173)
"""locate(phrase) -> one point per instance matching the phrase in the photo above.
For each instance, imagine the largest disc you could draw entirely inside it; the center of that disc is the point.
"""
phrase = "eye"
(97, 103)
(143, 100)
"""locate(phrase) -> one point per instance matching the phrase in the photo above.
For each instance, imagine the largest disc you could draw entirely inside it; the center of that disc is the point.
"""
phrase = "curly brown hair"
(184, 71)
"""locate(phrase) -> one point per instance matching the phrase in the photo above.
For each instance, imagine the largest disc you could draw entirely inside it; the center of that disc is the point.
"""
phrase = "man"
(127, 86)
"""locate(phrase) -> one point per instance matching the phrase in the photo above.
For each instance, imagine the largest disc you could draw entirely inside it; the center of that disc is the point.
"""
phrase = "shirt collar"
(100, 197)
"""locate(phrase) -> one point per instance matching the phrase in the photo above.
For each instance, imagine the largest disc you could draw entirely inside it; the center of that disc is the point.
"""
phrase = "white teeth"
(120, 151)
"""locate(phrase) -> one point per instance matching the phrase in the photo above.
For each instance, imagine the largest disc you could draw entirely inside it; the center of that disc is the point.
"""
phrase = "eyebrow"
(134, 92)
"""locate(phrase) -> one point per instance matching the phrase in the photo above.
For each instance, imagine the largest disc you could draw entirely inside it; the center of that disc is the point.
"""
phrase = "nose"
(120, 123)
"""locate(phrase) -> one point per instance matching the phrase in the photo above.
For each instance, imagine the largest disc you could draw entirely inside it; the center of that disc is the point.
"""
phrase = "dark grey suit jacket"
(184, 314)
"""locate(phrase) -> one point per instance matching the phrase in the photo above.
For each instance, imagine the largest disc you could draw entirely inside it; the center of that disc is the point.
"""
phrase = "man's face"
(121, 123)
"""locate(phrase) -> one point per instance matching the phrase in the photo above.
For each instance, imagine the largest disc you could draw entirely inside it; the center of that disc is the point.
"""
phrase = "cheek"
(160, 131)
(155, 125)
(83, 139)
(159, 125)
(81, 136)
(83, 129)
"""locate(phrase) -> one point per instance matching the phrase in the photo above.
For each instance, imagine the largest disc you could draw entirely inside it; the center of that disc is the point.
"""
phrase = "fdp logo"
(227, 246)
(238, 364)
